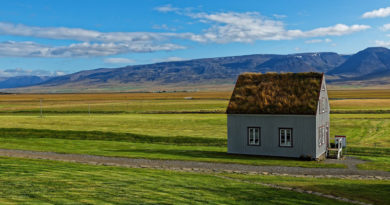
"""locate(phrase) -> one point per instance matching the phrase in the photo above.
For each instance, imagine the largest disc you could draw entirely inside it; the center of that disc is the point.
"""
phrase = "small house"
(284, 115)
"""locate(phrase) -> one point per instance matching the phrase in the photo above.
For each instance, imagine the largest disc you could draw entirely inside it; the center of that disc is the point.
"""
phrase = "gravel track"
(351, 172)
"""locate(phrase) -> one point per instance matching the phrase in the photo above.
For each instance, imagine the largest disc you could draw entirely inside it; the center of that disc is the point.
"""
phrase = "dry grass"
(360, 104)
(360, 93)
(114, 96)
(271, 93)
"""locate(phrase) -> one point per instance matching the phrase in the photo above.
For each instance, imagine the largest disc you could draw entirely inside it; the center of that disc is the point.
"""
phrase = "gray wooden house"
(283, 115)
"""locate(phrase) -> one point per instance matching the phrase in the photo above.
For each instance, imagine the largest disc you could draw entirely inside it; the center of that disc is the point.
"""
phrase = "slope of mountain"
(201, 70)
(371, 65)
(21, 81)
(318, 62)
(369, 62)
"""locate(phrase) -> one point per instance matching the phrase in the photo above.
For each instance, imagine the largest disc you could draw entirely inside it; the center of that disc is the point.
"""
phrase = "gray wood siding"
(322, 118)
(304, 134)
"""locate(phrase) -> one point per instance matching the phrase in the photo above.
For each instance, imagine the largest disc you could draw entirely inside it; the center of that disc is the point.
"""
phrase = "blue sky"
(57, 37)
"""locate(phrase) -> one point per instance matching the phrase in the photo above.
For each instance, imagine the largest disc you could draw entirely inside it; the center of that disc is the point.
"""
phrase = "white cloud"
(25, 72)
(279, 16)
(79, 34)
(163, 27)
(166, 8)
(336, 30)
(169, 59)
(31, 49)
(251, 26)
(379, 13)
(94, 43)
(118, 60)
(314, 41)
(383, 43)
(326, 40)
(385, 27)
(224, 27)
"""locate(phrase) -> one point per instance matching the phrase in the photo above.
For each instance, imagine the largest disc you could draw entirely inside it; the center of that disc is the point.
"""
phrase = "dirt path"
(350, 173)
(350, 162)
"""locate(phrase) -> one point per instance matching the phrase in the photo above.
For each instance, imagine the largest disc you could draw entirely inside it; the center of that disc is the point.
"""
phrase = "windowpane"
(323, 135)
(254, 136)
(288, 138)
(285, 137)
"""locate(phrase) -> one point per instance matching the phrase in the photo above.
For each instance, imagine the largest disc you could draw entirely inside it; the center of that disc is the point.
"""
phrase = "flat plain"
(180, 126)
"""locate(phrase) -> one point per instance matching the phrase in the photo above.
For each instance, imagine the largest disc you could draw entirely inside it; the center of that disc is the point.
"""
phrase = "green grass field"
(199, 137)
(41, 181)
(121, 119)
(363, 190)
(166, 126)
(47, 182)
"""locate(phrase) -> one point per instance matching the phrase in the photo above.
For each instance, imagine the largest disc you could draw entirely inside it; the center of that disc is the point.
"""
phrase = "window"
(254, 136)
(322, 134)
(319, 136)
(285, 137)
(327, 134)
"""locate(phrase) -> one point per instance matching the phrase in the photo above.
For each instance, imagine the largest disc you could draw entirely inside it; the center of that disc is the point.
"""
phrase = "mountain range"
(369, 67)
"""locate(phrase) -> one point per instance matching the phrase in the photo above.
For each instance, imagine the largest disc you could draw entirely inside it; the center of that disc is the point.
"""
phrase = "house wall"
(322, 119)
(304, 133)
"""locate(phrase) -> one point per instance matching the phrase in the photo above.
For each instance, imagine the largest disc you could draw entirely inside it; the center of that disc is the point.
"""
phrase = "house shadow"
(202, 154)
(110, 136)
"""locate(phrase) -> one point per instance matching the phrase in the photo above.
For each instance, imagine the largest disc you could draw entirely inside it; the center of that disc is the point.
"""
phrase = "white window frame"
(327, 134)
(285, 137)
(323, 134)
(254, 135)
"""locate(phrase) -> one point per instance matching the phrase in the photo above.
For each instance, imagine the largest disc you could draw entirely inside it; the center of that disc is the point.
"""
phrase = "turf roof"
(273, 93)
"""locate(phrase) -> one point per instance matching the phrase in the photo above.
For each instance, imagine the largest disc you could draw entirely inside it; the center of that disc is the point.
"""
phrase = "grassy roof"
(273, 93)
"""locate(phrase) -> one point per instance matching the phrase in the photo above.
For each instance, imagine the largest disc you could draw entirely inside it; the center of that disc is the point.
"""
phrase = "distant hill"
(193, 73)
(21, 81)
(371, 61)
(370, 65)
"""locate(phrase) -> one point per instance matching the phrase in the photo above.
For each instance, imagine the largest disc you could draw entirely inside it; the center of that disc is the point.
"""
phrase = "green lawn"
(368, 137)
(115, 106)
(370, 191)
(135, 146)
(25, 181)
(174, 136)
(188, 125)
(118, 126)
(376, 163)
(67, 127)
(363, 130)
